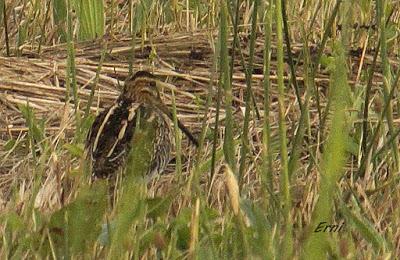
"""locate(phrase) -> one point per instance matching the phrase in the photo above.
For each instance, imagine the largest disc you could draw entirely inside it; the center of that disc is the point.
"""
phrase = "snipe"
(138, 126)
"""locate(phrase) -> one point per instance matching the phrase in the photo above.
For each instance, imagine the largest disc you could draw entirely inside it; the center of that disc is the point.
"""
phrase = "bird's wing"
(110, 136)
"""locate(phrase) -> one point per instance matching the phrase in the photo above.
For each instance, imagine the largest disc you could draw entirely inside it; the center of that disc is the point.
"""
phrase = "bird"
(138, 128)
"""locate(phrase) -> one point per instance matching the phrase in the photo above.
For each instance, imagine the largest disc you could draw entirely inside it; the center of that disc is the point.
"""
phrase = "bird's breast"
(151, 144)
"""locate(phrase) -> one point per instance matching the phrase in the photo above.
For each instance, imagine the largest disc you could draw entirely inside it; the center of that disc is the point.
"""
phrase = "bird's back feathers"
(110, 137)
(115, 134)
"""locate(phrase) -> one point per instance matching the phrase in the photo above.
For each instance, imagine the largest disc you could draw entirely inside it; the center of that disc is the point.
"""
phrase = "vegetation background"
(295, 104)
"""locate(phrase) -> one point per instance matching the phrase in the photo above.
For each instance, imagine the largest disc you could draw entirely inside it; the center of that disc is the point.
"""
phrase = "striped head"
(141, 87)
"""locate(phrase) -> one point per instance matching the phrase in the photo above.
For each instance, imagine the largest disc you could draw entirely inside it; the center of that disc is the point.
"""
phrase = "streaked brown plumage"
(138, 114)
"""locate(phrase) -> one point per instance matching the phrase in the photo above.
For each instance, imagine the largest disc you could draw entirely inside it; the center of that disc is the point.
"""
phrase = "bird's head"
(140, 87)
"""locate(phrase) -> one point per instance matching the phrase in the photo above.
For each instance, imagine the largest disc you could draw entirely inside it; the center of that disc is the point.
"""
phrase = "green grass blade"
(365, 228)
(90, 14)
(287, 246)
(4, 18)
(229, 148)
(387, 79)
(267, 175)
(334, 158)
(245, 131)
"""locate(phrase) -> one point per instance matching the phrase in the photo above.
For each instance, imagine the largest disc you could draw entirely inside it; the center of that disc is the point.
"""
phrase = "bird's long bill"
(186, 131)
